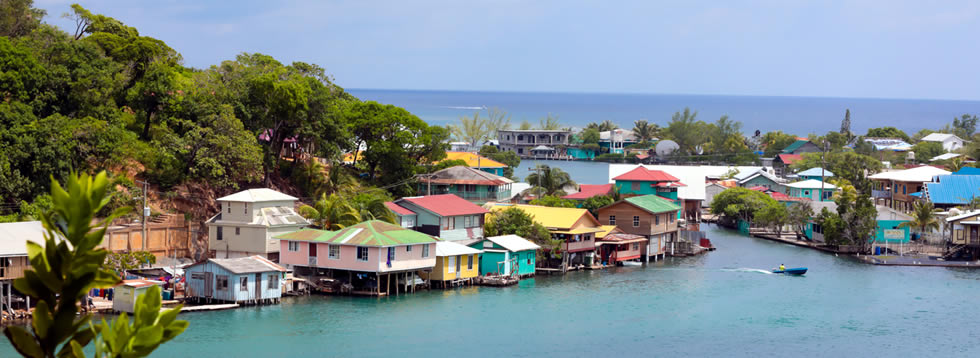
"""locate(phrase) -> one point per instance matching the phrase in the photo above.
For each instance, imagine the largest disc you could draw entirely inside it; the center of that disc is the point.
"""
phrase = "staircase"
(953, 251)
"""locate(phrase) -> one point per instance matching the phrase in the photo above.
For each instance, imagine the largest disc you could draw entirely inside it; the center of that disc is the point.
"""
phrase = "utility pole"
(146, 214)
(823, 166)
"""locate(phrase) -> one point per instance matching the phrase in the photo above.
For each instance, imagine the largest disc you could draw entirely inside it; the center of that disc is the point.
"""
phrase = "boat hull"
(792, 271)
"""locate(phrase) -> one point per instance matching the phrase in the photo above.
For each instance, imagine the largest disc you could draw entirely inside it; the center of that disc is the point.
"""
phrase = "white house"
(125, 295)
(950, 141)
(249, 220)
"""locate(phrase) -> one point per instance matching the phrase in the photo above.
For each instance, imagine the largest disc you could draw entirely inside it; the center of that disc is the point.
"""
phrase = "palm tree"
(331, 212)
(923, 217)
(473, 130)
(549, 181)
(372, 207)
(955, 164)
(644, 130)
(607, 125)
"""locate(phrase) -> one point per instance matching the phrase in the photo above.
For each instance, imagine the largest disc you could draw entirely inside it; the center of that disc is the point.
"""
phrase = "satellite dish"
(955, 212)
(699, 149)
(666, 147)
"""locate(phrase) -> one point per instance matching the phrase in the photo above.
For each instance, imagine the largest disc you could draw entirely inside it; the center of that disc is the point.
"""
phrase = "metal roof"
(815, 172)
(514, 243)
(939, 137)
(474, 160)
(464, 175)
(968, 171)
(257, 195)
(796, 145)
(811, 184)
(954, 189)
(552, 218)
(14, 237)
(644, 174)
(589, 190)
(917, 174)
(368, 233)
(398, 209)
(444, 205)
(449, 248)
(242, 265)
(652, 203)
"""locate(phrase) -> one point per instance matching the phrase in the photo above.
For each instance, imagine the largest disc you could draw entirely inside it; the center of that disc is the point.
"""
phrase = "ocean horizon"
(791, 114)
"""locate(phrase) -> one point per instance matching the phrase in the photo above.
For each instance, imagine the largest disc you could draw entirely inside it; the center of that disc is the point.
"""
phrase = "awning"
(543, 148)
(577, 231)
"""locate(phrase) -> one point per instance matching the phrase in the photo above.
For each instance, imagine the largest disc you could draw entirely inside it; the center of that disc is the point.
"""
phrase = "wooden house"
(650, 216)
(615, 246)
(248, 221)
(901, 188)
(455, 264)
(468, 183)
(644, 181)
(576, 228)
(446, 216)
(125, 294)
(964, 231)
(243, 280)
(369, 257)
(781, 165)
(13, 255)
(507, 255)
(801, 146)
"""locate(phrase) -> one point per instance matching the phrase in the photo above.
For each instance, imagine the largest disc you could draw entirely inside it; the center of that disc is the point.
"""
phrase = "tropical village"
(253, 180)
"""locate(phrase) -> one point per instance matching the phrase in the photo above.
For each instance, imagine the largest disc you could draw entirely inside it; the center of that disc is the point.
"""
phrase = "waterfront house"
(950, 142)
(815, 174)
(13, 255)
(242, 280)
(468, 183)
(576, 228)
(249, 220)
(644, 181)
(614, 141)
(801, 146)
(812, 189)
(446, 216)
(900, 188)
(587, 191)
(781, 164)
(477, 161)
(507, 255)
(710, 190)
(949, 191)
(533, 143)
(455, 263)
(361, 255)
(649, 216)
(406, 218)
(125, 294)
(964, 229)
(615, 245)
(887, 224)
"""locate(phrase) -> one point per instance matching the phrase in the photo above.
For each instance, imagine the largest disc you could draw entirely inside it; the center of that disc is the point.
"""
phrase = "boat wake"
(466, 107)
(746, 269)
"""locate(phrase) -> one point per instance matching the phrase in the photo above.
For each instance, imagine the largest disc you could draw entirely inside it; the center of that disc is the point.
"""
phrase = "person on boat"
(782, 268)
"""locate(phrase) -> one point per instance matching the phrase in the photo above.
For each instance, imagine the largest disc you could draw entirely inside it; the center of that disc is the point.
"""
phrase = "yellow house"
(455, 264)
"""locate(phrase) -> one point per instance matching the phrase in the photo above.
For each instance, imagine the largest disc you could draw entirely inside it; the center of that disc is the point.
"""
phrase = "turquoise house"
(764, 179)
(643, 181)
(815, 174)
(812, 189)
(579, 153)
(507, 255)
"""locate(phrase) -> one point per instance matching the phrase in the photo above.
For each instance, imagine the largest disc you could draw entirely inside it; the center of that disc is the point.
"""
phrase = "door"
(458, 262)
(208, 284)
(258, 286)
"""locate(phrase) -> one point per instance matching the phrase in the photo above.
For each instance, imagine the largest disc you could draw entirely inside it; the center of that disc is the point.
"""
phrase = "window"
(636, 221)
(635, 186)
(229, 208)
(806, 193)
(391, 253)
(362, 254)
(238, 231)
(408, 248)
(244, 283)
(508, 137)
(198, 276)
(588, 237)
(903, 189)
(466, 221)
(273, 281)
(293, 246)
(220, 233)
(222, 282)
(671, 218)
(469, 262)
(425, 250)
(612, 219)
(636, 246)
(448, 223)
(451, 264)
(246, 209)
(520, 137)
(529, 261)
(656, 219)
(333, 252)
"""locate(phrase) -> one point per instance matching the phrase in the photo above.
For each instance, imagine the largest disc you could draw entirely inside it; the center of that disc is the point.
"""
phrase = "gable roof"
(14, 237)
(765, 174)
(398, 209)
(811, 184)
(789, 158)
(917, 174)
(606, 230)
(886, 213)
(514, 243)
(445, 205)
(815, 172)
(940, 137)
(652, 203)
(250, 264)
(368, 233)
(474, 160)
(796, 145)
(589, 190)
(464, 175)
(643, 174)
(257, 195)
(560, 218)
(449, 248)
(953, 189)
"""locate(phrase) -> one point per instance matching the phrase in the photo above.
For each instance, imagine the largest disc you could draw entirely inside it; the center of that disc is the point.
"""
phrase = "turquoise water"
(797, 115)
(719, 304)
(581, 172)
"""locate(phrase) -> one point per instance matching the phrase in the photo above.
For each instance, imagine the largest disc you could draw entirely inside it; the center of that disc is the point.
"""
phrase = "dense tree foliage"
(514, 221)
(853, 167)
(594, 203)
(740, 203)
(554, 201)
(888, 132)
(511, 159)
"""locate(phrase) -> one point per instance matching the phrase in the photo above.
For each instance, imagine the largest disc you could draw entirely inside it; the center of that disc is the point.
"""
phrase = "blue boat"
(791, 271)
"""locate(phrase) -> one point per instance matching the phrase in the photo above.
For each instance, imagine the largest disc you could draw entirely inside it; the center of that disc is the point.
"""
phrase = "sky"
(877, 49)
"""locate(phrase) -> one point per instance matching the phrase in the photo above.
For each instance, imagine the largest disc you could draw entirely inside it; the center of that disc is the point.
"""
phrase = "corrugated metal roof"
(815, 172)
(445, 205)
(653, 203)
(464, 175)
(954, 189)
(241, 265)
(561, 218)
(811, 184)
(398, 209)
(968, 171)
(449, 248)
(14, 237)
(589, 190)
(796, 145)
(514, 243)
(644, 174)
(368, 233)
(256, 195)
(917, 174)
(939, 137)
(474, 160)
(789, 158)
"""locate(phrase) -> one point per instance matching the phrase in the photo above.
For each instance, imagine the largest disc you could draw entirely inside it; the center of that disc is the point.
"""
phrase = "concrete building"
(950, 141)
(248, 222)
(533, 143)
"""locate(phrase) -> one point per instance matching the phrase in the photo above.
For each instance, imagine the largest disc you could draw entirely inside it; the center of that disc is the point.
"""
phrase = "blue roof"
(954, 189)
(815, 172)
(968, 171)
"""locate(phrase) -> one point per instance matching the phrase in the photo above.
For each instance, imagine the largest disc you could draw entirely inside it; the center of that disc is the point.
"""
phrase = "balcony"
(881, 194)
(472, 195)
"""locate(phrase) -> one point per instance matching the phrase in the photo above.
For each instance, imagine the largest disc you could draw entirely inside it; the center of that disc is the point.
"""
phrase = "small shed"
(456, 263)
(507, 255)
(125, 295)
(244, 280)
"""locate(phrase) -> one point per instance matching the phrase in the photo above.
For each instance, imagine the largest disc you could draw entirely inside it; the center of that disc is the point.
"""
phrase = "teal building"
(643, 181)
(507, 255)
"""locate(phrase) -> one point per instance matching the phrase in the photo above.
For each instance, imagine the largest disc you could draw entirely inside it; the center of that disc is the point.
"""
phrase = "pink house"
(365, 258)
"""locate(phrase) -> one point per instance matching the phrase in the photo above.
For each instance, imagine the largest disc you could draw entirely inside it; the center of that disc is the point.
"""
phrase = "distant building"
(446, 216)
(533, 143)
(643, 181)
(887, 230)
(507, 255)
(950, 141)
(889, 144)
(782, 162)
(763, 178)
(125, 294)
(812, 189)
(801, 146)
(468, 183)
(815, 174)
(965, 233)
(576, 228)
(406, 218)
(477, 161)
(13, 255)
(899, 189)
(243, 280)
(249, 220)
(949, 191)
(616, 246)
(587, 191)
(616, 140)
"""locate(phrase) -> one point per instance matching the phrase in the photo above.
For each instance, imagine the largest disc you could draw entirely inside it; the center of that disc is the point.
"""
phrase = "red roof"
(642, 156)
(759, 188)
(398, 209)
(644, 174)
(789, 158)
(589, 190)
(446, 205)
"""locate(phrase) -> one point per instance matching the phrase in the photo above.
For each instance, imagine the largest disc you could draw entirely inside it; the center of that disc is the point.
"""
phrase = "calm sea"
(722, 304)
(797, 115)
